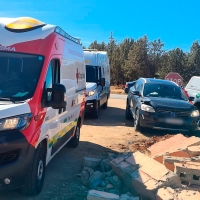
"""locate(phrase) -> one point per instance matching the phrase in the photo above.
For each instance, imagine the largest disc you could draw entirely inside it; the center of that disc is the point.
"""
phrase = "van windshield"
(19, 74)
(194, 83)
(91, 74)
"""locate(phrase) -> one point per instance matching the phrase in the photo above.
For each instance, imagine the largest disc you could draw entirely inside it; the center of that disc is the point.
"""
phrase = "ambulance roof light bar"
(24, 24)
(66, 35)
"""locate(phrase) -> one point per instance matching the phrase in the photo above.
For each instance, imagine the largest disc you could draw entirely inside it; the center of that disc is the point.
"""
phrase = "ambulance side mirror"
(56, 96)
(103, 82)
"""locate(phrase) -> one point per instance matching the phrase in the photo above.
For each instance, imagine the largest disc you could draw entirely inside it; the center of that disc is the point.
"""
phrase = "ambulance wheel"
(35, 180)
(105, 105)
(96, 111)
(73, 143)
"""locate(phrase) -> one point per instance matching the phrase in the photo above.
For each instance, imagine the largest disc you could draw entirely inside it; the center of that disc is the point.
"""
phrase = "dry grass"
(117, 89)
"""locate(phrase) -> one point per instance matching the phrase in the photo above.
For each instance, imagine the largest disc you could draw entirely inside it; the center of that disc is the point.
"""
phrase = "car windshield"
(19, 75)
(91, 74)
(164, 91)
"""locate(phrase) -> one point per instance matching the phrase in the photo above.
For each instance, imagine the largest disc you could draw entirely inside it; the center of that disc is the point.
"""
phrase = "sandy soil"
(110, 133)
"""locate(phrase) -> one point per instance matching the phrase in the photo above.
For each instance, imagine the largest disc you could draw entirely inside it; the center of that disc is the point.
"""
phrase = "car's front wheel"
(128, 112)
(137, 126)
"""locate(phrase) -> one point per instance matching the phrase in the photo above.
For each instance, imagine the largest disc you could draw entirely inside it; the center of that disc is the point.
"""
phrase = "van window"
(194, 83)
(53, 75)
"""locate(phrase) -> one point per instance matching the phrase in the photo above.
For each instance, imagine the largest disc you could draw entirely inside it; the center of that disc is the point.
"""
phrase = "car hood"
(167, 103)
(90, 86)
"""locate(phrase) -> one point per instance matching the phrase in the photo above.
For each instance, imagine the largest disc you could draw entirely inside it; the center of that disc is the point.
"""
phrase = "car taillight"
(126, 86)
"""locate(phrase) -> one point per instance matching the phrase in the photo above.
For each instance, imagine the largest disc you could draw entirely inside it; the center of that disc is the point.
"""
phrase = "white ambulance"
(97, 81)
(42, 99)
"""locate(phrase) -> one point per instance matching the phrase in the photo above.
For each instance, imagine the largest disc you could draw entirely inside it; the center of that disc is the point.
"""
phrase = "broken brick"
(143, 174)
(99, 195)
(174, 146)
(189, 172)
(169, 161)
(193, 151)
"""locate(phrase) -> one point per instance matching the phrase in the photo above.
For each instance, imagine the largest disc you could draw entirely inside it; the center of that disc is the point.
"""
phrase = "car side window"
(139, 86)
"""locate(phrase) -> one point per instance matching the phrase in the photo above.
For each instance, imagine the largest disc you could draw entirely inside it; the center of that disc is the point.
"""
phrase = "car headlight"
(17, 122)
(147, 108)
(90, 93)
(195, 113)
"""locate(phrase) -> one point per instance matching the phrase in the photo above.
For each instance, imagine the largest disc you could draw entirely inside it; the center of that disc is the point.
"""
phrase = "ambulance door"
(52, 116)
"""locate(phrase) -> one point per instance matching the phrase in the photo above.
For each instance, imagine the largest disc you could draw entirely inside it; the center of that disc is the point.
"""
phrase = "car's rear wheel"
(128, 112)
(137, 126)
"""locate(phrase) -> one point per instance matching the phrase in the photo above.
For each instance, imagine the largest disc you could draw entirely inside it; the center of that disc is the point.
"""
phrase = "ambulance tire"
(105, 105)
(35, 180)
(74, 142)
(96, 112)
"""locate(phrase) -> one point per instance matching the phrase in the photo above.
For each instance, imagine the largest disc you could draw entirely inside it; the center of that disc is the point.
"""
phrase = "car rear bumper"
(16, 156)
(152, 120)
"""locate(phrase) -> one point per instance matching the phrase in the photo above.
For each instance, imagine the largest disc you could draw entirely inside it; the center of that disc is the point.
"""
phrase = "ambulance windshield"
(19, 75)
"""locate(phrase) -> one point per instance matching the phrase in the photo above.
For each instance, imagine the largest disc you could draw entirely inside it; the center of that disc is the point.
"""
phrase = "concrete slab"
(143, 174)
(99, 195)
(174, 146)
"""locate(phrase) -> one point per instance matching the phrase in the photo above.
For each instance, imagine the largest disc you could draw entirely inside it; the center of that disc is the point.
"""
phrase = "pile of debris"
(102, 181)
(170, 171)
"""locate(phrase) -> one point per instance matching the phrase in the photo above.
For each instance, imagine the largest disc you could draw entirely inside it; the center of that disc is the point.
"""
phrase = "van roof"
(26, 25)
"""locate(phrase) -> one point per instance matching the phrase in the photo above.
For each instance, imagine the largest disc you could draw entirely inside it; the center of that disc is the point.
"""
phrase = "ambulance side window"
(53, 76)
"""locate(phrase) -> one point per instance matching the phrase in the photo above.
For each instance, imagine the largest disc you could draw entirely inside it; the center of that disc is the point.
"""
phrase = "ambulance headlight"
(19, 122)
(90, 93)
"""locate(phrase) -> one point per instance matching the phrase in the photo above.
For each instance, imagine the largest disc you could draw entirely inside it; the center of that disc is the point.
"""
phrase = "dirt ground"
(110, 133)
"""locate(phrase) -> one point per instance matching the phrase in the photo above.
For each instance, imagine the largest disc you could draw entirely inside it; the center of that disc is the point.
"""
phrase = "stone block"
(92, 163)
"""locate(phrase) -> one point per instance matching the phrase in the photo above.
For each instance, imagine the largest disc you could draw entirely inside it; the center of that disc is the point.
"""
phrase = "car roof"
(159, 81)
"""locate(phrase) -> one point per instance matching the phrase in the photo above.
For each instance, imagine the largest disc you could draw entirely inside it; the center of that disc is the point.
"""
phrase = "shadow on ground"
(61, 181)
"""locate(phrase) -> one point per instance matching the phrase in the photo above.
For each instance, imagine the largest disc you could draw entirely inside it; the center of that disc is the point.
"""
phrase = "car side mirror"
(56, 96)
(126, 90)
(191, 98)
(137, 93)
(103, 82)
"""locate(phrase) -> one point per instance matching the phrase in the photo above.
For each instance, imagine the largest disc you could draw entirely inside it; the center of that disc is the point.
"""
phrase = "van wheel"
(74, 142)
(105, 105)
(96, 111)
(35, 180)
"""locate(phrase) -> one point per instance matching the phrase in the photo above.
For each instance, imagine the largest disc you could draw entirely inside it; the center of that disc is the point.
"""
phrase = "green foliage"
(132, 59)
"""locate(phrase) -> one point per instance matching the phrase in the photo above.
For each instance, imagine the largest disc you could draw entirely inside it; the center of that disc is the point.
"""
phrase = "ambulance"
(97, 81)
(42, 99)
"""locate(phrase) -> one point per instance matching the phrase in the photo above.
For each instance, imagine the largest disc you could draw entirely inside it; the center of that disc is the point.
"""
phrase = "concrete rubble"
(169, 171)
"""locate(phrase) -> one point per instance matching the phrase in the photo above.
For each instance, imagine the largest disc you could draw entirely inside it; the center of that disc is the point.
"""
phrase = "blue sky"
(175, 22)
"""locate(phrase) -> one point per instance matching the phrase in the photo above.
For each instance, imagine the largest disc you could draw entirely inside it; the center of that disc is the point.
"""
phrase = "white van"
(42, 99)
(97, 81)
(193, 90)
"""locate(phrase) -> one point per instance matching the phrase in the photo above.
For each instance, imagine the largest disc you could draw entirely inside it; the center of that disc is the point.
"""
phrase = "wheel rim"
(40, 170)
